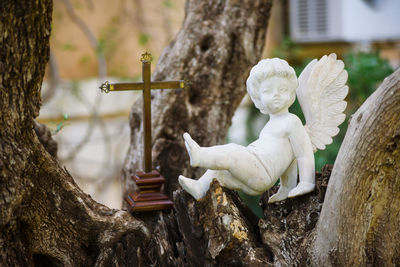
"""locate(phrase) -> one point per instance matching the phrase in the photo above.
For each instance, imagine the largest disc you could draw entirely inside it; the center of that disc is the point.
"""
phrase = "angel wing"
(321, 92)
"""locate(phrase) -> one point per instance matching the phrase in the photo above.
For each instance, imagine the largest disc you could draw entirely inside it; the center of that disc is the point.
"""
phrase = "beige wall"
(118, 25)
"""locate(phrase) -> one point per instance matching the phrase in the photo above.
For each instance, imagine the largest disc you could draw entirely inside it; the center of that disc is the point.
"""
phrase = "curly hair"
(265, 69)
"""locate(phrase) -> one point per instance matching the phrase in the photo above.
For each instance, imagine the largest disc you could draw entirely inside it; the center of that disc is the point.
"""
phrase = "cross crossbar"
(140, 85)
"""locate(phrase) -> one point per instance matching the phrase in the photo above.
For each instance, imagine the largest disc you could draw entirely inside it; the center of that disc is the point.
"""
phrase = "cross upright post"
(150, 181)
(146, 61)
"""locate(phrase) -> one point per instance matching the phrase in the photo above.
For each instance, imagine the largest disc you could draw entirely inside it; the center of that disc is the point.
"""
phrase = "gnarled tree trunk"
(360, 222)
(45, 219)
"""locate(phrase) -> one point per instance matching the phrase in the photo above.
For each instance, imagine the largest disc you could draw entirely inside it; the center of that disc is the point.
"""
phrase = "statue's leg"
(288, 182)
(193, 150)
(238, 160)
(304, 187)
(226, 179)
(198, 188)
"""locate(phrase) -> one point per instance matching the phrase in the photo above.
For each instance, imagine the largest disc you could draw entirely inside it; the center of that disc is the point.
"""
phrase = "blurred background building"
(94, 41)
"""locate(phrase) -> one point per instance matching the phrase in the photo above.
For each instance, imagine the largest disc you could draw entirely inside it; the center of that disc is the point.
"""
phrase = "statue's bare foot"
(192, 187)
(301, 189)
(282, 194)
(193, 149)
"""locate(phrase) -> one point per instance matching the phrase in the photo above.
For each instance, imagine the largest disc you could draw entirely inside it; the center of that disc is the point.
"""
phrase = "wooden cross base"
(149, 197)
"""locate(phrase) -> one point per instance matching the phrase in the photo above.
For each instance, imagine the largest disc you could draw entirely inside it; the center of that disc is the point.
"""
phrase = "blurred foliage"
(69, 47)
(77, 4)
(289, 51)
(84, 60)
(366, 71)
(168, 4)
(143, 38)
(108, 41)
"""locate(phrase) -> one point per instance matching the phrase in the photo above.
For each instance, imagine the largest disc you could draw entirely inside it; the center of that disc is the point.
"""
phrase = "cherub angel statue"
(284, 146)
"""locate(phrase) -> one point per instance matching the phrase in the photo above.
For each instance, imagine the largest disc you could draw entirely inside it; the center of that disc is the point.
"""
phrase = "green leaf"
(84, 60)
(68, 47)
(59, 127)
(168, 3)
(100, 46)
(143, 38)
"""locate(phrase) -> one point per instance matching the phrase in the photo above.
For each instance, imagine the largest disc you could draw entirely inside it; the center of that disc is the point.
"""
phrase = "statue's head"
(272, 85)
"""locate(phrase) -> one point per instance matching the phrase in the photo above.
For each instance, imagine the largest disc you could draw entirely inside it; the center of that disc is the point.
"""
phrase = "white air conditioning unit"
(344, 20)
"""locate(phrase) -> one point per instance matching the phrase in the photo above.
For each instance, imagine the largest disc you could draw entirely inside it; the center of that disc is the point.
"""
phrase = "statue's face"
(276, 94)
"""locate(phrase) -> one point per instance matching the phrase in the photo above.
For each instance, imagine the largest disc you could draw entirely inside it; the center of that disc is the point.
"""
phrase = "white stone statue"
(284, 145)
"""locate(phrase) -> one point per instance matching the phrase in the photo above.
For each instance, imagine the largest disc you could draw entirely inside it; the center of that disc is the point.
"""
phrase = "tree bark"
(287, 228)
(45, 219)
(360, 222)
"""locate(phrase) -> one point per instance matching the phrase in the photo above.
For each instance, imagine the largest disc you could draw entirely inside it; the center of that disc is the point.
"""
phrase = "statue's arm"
(302, 149)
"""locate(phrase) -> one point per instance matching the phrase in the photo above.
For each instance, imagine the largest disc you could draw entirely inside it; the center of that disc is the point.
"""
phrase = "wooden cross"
(150, 181)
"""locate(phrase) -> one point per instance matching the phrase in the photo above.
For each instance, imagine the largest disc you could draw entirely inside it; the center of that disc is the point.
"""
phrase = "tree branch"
(361, 208)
